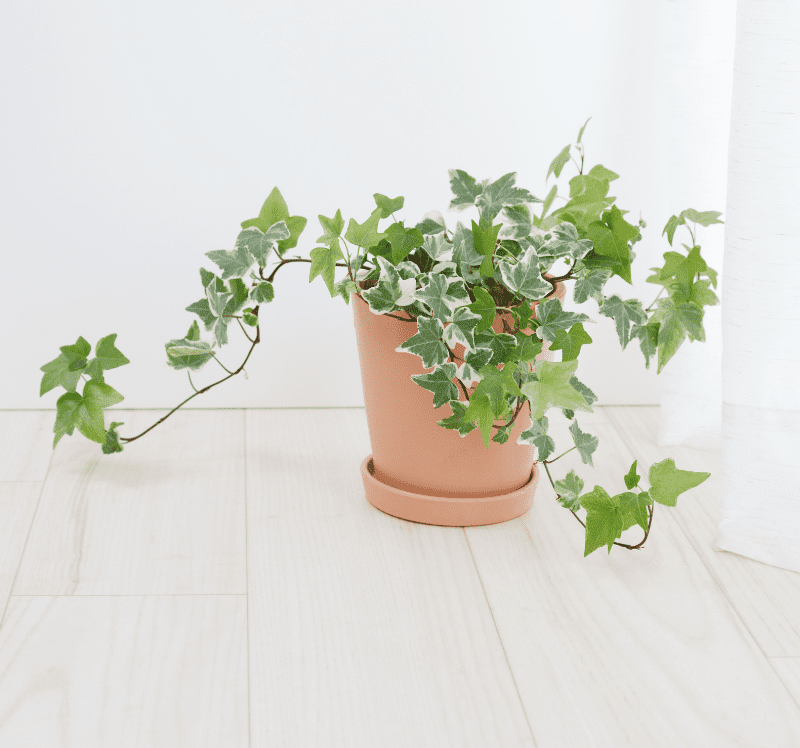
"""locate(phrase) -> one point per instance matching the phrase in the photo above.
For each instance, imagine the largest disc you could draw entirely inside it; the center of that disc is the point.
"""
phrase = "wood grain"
(635, 648)
(127, 672)
(788, 670)
(765, 597)
(365, 630)
(26, 443)
(17, 507)
(166, 516)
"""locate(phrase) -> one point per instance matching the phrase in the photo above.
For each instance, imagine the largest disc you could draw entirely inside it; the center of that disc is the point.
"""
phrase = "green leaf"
(431, 226)
(187, 353)
(584, 188)
(563, 241)
(497, 384)
(502, 434)
(76, 354)
(585, 443)
(589, 284)
(559, 162)
(273, 211)
(474, 361)
(234, 263)
(548, 201)
(462, 328)
(216, 304)
(632, 478)
(484, 238)
(537, 436)
(87, 414)
(604, 520)
(480, 411)
(202, 310)
(484, 306)
(249, 317)
(702, 295)
(427, 343)
(388, 205)
(239, 296)
(100, 395)
(112, 443)
(580, 134)
(456, 420)
(569, 489)
(260, 243)
(403, 241)
(527, 349)
(570, 343)
(600, 172)
(648, 340)
(610, 238)
(671, 226)
(667, 482)
(442, 295)
(518, 222)
(588, 395)
(439, 381)
(66, 415)
(501, 193)
(365, 234)
(332, 228)
(206, 276)
(323, 262)
(552, 388)
(194, 331)
(436, 247)
(106, 356)
(345, 288)
(524, 278)
(675, 321)
(551, 318)
(503, 346)
(634, 509)
(57, 372)
(625, 314)
(465, 189)
(705, 218)
(392, 291)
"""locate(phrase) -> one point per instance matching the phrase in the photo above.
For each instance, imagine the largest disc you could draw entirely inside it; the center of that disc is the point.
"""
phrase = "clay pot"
(418, 470)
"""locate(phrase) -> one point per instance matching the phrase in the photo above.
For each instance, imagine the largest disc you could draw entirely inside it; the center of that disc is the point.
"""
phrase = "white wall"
(137, 136)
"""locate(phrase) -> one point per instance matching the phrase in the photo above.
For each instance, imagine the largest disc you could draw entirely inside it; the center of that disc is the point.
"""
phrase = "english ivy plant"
(452, 285)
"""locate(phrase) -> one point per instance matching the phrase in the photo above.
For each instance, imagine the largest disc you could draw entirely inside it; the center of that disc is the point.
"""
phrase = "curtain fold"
(761, 301)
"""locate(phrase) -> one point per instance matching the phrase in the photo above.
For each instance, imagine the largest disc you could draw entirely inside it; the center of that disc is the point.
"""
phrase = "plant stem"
(548, 462)
(621, 545)
(200, 392)
(220, 362)
(189, 374)
(243, 330)
(655, 300)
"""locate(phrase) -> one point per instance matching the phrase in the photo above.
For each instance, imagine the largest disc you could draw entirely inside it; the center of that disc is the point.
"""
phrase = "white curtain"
(761, 303)
(696, 39)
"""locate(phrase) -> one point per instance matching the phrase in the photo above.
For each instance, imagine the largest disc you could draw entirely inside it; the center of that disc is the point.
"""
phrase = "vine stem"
(199, 392)
(621, 545)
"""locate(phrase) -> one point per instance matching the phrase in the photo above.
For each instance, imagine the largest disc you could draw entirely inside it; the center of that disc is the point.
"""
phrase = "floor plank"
(17, 507)
(628, 649)
(166, 516)
(766, 597)
(26, 443)
(128, 672)
(365, 630)
(788, 669)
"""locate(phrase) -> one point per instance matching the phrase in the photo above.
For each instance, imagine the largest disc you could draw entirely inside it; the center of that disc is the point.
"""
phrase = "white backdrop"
(137, 136)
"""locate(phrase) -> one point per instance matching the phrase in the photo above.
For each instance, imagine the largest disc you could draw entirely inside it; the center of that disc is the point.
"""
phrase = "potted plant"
(465, 318)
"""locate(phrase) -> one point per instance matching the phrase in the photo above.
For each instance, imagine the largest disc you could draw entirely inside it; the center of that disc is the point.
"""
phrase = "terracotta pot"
(418, 470)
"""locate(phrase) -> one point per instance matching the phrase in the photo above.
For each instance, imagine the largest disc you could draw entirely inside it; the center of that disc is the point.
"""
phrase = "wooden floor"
(223, 582)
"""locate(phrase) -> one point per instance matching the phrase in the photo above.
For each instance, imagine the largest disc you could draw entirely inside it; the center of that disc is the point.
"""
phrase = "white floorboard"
(26, 443)
(17, 506)
(166, 516)
(364, 630)
(223, 582)
(766, 598)
(124, 672)
(639, 648)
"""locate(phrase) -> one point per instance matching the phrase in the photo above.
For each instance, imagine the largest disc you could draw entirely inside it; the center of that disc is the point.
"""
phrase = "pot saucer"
(445, 511)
